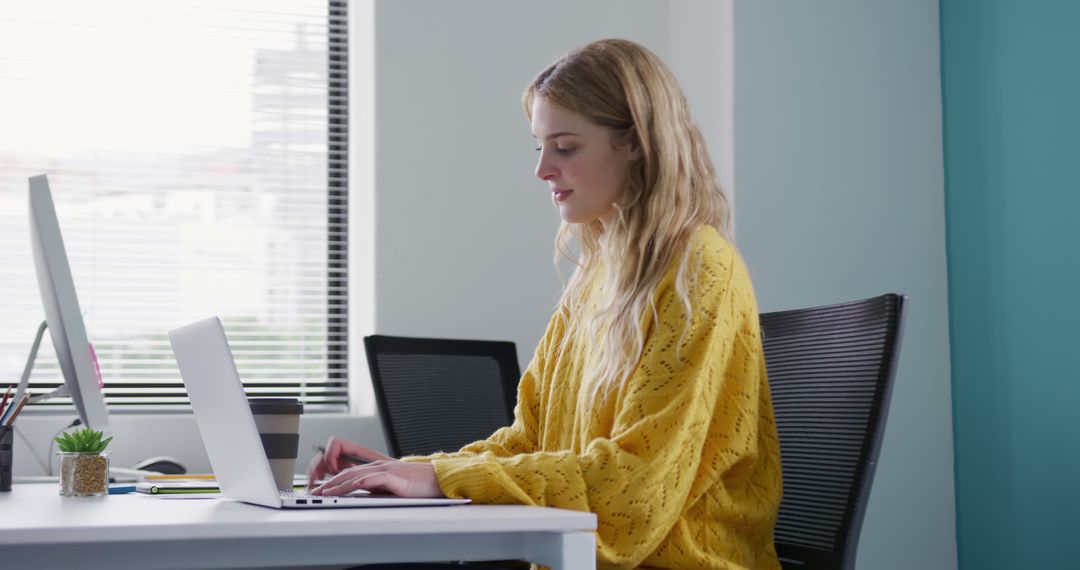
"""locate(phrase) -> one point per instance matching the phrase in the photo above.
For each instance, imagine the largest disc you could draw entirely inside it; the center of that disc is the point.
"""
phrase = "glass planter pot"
(84, 474)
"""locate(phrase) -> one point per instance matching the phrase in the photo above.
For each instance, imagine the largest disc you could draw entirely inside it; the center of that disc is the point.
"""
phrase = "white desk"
(41, 530)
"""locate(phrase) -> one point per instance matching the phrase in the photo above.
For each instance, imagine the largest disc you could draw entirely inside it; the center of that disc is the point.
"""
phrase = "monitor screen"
(73, 351)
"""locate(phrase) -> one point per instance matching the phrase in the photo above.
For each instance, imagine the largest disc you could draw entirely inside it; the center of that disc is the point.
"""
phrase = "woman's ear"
(632, 143)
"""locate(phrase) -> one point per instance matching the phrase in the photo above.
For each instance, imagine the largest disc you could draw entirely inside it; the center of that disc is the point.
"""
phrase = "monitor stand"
(116, 474)
(25, 380)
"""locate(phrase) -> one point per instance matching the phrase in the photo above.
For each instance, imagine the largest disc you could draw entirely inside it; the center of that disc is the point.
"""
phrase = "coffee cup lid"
(274, 406)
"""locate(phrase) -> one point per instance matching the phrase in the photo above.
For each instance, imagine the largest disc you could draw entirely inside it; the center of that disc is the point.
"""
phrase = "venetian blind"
(197, 154)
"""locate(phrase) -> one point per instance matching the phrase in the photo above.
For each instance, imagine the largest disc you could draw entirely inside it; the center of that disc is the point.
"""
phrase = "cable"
(44, 467)
(52, 440)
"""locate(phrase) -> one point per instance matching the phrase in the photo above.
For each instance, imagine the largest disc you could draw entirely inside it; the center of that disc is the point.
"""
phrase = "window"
(197, 154)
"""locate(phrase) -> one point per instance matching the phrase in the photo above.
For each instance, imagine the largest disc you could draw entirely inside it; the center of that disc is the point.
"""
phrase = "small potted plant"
(84, 463)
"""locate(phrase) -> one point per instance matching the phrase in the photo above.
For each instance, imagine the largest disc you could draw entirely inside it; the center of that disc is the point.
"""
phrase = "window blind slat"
(202, 174)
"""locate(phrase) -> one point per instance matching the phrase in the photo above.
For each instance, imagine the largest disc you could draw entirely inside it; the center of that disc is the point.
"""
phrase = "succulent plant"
(83, 440)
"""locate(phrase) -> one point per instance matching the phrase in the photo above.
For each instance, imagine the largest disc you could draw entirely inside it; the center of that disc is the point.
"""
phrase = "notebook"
(229, 433)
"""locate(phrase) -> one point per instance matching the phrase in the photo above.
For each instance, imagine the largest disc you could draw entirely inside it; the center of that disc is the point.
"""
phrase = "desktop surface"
(43, 530)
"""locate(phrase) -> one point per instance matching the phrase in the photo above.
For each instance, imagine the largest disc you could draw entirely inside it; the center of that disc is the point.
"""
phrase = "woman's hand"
(395, 477)
(336, 456)
(384, 474)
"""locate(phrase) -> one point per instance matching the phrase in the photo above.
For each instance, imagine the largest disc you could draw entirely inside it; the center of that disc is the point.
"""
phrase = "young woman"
(647, 401)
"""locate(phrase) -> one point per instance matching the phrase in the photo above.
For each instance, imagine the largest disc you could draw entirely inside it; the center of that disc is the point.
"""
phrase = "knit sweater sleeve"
(642, 478)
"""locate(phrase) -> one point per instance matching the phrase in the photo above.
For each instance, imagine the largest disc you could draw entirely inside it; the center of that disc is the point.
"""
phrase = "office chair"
(831, 371)
(438, 394)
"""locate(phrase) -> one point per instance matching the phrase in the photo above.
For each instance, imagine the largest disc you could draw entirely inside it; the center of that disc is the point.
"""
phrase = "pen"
(3, 405)
(22, 402)
(353, 458)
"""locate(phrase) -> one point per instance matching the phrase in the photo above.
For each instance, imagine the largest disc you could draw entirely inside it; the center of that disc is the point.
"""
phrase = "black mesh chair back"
(438, 394)
(830, 373)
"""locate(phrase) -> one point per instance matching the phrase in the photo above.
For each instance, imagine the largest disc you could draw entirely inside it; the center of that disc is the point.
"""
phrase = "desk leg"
(566, 551)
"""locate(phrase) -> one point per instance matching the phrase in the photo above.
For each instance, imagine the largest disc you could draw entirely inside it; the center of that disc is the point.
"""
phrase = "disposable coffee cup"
(278, 422)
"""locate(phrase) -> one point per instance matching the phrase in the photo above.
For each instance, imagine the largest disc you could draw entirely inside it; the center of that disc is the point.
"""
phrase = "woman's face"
(584, 169)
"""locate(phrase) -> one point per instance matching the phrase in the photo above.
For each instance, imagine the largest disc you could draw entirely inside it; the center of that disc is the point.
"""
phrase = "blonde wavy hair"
(670, 191)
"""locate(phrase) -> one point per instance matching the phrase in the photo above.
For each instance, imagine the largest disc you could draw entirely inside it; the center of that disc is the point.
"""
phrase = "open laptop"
(229, 433)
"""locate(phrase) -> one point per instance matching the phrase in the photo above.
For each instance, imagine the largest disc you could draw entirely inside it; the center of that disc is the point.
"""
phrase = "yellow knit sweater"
(681, 464)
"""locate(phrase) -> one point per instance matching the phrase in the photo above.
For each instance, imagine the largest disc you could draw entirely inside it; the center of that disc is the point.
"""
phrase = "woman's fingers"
(338, 452)
(316, 470)
(377, 482)
(346, 447)
(344, 478)
(330, 454)
(328, 462)
(395, 477)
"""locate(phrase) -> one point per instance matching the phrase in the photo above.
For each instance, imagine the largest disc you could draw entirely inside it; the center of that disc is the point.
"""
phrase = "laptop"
(229, 433)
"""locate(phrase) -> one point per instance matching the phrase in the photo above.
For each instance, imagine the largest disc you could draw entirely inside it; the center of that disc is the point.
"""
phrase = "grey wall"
(464, 231)
(701, 41)
(840, 185)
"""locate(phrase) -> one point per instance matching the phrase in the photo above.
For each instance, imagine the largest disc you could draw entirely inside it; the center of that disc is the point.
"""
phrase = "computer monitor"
(73, 350)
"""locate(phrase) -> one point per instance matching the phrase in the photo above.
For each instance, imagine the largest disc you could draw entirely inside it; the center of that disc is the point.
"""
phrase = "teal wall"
(1011, 91)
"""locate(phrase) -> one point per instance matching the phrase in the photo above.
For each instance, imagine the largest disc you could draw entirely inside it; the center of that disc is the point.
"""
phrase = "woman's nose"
(544, 169)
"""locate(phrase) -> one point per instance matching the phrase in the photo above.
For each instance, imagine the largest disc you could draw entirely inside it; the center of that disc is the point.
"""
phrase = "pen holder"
(6, 457)
(84, 474)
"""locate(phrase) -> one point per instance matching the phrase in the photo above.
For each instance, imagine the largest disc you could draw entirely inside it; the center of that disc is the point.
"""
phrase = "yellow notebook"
(157, 487)
(168, 484)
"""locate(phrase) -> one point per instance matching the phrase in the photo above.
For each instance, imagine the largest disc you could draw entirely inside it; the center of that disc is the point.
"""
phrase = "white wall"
(840, 179)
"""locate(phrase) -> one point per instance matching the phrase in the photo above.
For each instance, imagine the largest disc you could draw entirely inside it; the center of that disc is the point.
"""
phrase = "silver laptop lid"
(222, 412)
